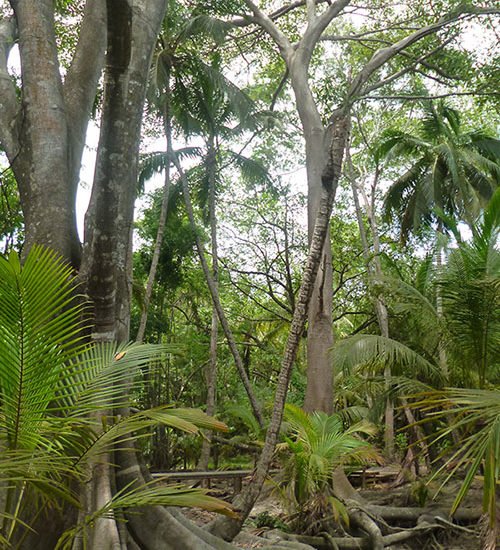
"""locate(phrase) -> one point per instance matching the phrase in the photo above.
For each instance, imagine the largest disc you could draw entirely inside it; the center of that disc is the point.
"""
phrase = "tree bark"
(228, 528)
(319, 388)
(43, 134)
(132, 31)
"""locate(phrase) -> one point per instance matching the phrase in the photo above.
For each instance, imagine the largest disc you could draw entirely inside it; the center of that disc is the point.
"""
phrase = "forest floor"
(466, 537)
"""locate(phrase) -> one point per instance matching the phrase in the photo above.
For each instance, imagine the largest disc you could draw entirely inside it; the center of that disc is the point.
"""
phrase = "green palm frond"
(372, 352)
(395, 143)
(476, 414)
(452, 170)
(403, 187)
(205, 25)
(52, 384)
(315, 446)
(157, 162)
(251, 170)
(39, 335)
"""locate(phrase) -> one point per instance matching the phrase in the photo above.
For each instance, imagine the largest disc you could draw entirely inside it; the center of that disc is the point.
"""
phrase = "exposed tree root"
(158, 528)
(409, 514)
(328, 542)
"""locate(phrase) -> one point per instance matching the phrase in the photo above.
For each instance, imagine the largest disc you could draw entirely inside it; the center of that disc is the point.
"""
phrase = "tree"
(298, 57)
(43, 141)
(315, 446)
(453, 172)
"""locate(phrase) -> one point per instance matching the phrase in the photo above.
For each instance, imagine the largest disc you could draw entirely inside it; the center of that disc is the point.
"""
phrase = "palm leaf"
(39, 335)
(372, 351)
(476, 413)
(205, 25)
(252, 171)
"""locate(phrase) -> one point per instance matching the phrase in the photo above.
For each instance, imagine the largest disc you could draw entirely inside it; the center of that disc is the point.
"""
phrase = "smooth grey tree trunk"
(43, 133)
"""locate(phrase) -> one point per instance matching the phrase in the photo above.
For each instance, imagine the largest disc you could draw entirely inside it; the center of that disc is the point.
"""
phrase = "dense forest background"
(293, 216)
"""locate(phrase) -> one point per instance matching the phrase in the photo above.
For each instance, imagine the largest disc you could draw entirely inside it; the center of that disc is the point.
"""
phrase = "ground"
(466, 537)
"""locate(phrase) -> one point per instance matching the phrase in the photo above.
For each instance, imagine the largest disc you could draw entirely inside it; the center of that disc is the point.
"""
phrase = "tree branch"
(381, 56)
(268, 25)
(316, 27)
(9, 106)
(82, 77)
(406, 70)
(410, 97)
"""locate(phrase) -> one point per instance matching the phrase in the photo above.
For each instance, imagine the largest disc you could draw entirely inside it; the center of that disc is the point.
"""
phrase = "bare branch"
(268, 25)
(381, 56)
(410, 97)
(319, 24)
(409, 68)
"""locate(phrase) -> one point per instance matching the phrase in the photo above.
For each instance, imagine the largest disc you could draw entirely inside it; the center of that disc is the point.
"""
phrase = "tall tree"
(42, 129)
(297, 53)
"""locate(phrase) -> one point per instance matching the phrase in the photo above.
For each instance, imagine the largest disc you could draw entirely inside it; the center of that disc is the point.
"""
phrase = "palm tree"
(194, 95)
(469, 329)
(316, 444)
(55, 394)
(453, 172)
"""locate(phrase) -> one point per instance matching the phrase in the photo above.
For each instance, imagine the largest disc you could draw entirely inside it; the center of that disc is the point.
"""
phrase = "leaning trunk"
(211, 373)
(161, 229)
(374, 268)
(256, 409)
(244, 502)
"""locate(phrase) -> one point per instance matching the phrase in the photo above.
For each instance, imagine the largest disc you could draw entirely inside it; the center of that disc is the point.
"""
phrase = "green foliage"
(315, 446)
(57, 391)
(265, 519)
(476, 416)
(11, 218)
(452, 172)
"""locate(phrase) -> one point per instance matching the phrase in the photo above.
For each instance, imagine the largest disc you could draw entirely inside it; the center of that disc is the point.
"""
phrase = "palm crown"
(453, 172)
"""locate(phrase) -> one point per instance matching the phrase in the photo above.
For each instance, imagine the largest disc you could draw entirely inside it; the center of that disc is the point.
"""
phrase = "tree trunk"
(132, 31)
(161, 228)
(211, 372)
(43, 134)
(216, 301)
(319, 388)
(374, 268)
(225, 527)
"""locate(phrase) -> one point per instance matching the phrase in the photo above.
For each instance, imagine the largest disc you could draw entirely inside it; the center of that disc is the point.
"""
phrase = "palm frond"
(476, 414)
(372, 352)
(157, 162)
(205, 25)
(252, 171)
(39, 335)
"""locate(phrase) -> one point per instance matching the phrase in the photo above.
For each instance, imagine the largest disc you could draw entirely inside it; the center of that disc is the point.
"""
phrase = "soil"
(467, 538)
